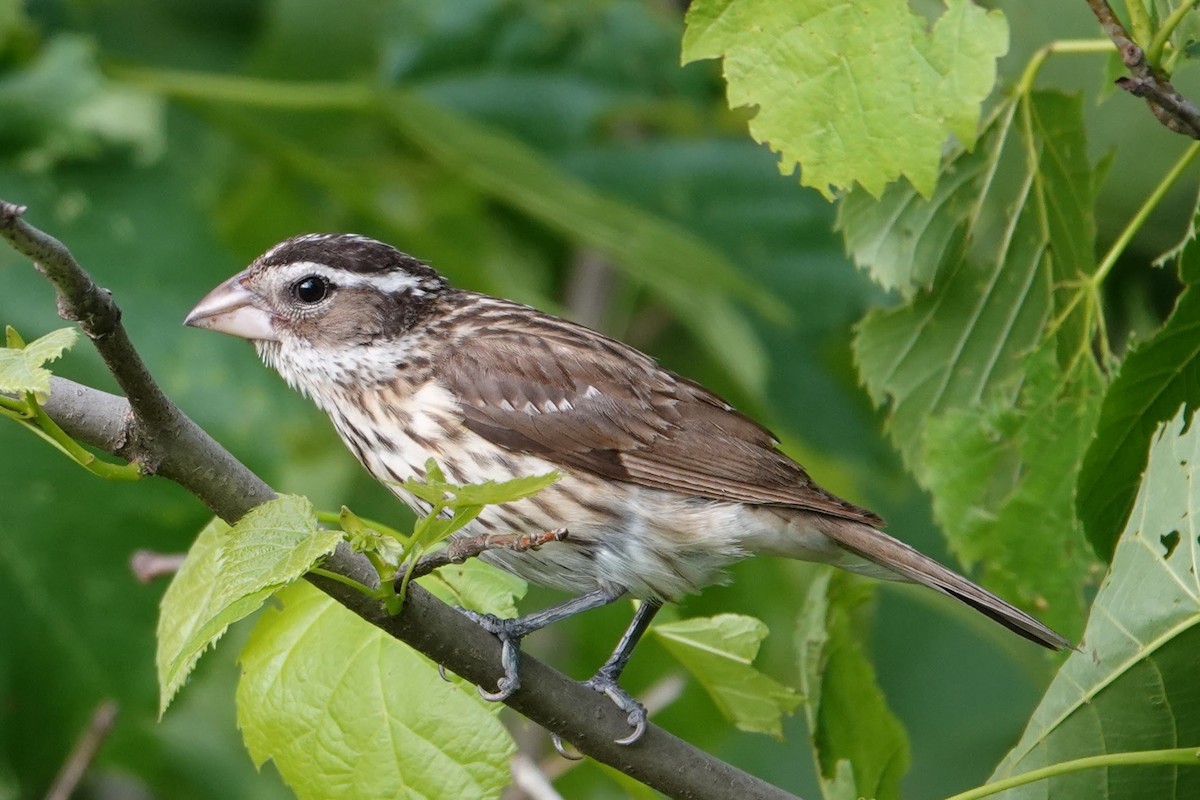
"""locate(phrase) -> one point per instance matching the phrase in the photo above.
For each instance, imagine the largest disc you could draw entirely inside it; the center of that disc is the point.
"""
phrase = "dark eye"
(312, 289)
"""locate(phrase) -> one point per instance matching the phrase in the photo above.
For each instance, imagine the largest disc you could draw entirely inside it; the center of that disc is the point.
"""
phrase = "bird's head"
(325, 308)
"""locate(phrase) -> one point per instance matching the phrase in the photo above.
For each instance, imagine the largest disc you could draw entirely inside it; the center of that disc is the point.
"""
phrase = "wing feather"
(537, 384)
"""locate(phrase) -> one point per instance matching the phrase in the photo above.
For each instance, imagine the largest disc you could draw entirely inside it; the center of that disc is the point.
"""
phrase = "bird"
(663, 483)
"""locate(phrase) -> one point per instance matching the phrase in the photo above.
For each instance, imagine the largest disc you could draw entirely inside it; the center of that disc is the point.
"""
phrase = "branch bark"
(147, 429)
(1169, 107)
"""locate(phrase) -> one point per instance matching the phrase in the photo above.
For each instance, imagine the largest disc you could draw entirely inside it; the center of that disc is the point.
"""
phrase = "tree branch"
(149, 430)
(1170, 107)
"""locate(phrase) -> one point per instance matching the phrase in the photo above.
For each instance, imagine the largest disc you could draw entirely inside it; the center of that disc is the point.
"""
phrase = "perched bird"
(664, 483)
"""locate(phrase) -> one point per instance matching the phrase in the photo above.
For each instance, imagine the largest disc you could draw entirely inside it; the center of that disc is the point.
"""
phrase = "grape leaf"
(861, 748)
(1155, 378)
(719, 652)
(21, 368)
(1132, 685)
(228, 574)
(862, 92)
(344, 710)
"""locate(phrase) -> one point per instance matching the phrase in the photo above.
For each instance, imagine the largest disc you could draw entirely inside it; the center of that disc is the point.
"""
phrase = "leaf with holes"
(719, 651)
(1156, 377)
(1133, 685)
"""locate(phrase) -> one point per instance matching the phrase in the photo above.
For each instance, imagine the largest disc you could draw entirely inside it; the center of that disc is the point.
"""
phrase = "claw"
(636, 712)
(509, 635)
(561, 748)
(504, 690)
(638, 722)
(442, 673)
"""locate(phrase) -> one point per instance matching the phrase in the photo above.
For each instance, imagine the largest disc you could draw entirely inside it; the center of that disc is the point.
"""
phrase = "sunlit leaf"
(22, 369)
(228, 574)
(861, 748)
(719, 651)
(344, 710)
(861, 92)
(477, 586)
(1132, 686)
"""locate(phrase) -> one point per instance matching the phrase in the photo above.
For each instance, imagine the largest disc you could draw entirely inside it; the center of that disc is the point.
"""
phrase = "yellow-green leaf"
(344, 710)
(22, 370)
(862, 92)
(228, 574)
(719, 651)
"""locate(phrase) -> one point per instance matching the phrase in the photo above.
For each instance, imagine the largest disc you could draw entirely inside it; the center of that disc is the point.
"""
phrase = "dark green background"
(163, 211)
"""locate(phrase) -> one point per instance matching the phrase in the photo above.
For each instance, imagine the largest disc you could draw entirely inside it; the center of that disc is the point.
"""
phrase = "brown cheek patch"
(351, 318)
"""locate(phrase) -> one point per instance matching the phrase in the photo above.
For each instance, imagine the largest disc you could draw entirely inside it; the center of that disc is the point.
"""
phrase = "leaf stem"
(1143, 213)
(1062, 46)
(345, 581)
(1155, 49)
(1186, 756)
(1139, 20)
(299, 96)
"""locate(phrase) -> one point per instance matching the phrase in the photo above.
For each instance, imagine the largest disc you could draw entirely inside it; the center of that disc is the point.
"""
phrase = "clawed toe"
(509, 632)
(636, 712)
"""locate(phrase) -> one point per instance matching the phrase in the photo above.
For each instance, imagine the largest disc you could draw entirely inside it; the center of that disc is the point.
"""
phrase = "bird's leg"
(605, 679)
(511, 631)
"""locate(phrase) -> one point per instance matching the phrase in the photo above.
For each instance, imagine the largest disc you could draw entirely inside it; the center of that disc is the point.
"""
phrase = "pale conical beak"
(232, 308)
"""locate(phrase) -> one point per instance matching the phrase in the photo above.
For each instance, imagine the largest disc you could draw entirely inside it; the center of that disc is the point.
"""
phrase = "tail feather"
(897, 557)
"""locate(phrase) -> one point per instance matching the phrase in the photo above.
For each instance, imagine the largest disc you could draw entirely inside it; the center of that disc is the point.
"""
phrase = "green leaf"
(434, 488)
(861, 92)
(1132, 686)
(228, 574)
(719, 652)
(1156, 377)
(990, 375)
(344, 710)
(490, 493)
(967, 339)
(21, 369)
(861, 748)
(477, 586)
(692, 277)
(1002, 480)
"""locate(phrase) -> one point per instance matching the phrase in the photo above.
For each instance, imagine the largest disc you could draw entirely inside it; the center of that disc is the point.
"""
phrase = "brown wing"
(538, 384)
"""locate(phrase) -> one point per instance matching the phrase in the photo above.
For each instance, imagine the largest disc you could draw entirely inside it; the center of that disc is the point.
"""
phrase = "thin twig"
(1145, 80)
(151, 431)
(459, 550)
(84, 752)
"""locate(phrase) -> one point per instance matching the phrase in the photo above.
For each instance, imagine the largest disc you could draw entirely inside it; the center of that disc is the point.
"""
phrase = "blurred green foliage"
(161, 192)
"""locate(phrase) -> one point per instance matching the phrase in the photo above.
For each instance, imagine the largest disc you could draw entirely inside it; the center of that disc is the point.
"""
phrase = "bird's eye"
(312, 289)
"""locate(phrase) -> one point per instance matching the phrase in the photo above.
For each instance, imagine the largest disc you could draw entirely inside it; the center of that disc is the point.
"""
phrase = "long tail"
(897, 557)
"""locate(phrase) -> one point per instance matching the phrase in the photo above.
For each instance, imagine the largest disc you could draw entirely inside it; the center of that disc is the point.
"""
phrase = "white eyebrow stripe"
(391, 283)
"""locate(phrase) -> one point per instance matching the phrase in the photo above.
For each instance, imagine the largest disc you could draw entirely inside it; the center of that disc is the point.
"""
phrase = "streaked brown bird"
(664, 483)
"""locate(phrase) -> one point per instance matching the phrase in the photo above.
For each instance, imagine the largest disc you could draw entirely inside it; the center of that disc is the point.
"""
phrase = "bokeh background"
(161, 197)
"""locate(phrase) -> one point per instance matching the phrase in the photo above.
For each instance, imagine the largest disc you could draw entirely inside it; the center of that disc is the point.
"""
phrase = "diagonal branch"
(149, 430)
(1170, 107)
